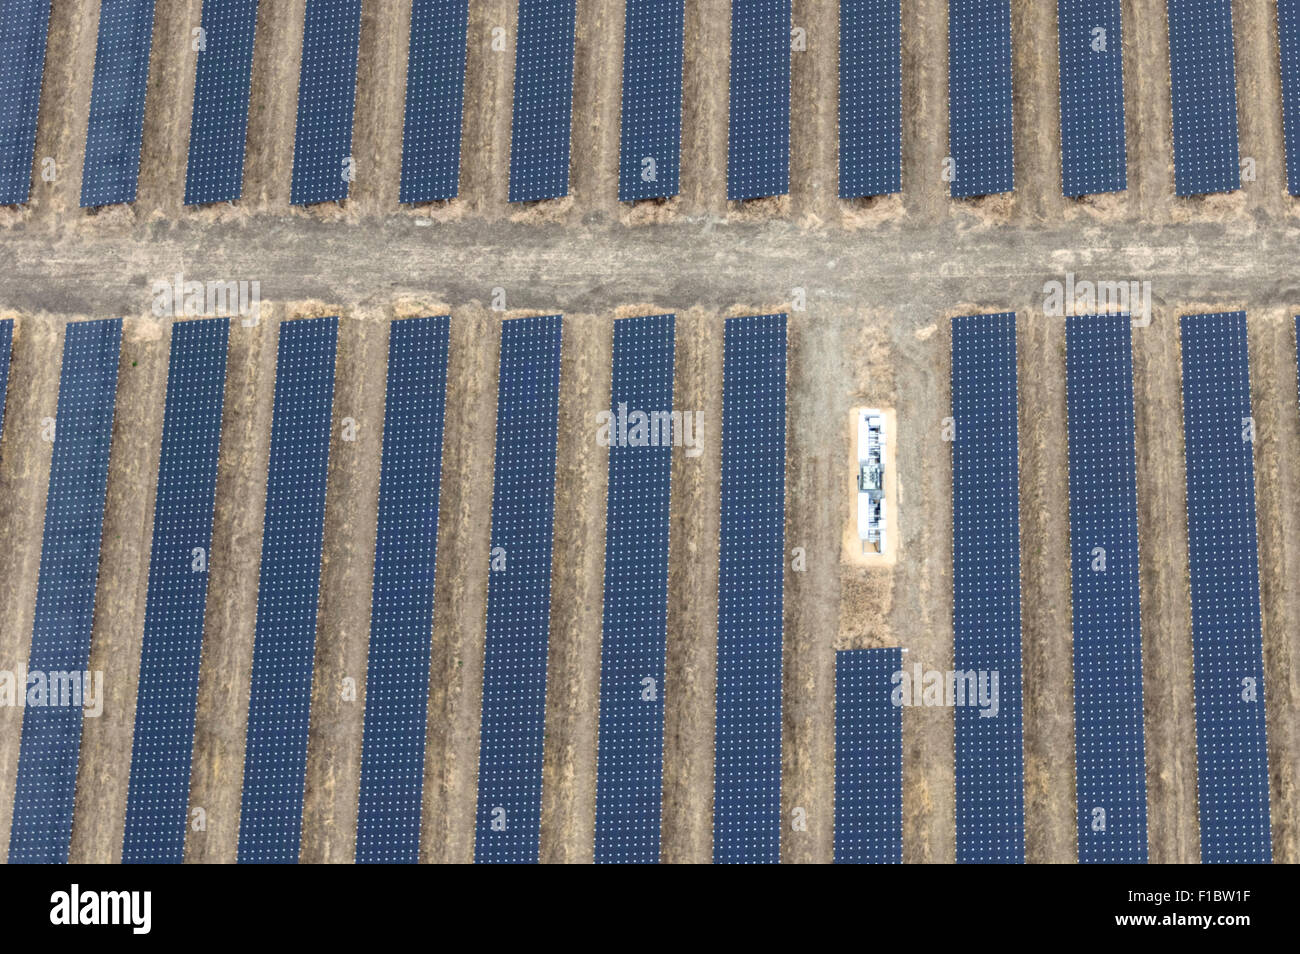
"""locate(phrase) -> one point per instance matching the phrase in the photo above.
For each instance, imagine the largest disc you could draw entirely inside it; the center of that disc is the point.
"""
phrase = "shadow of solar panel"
(1109, 753)
(112, 165)
(519, 592)
(24, 25)
(543, 102)
(219, 121)
(986, 588)
(868, 758)
(1203, 87)
(1227, 640)
(327, 92)
(758, 124)
(1093, 157)
(871, 98)
(980, 140)
(6, 348)
(401, 605)
(634, 633)
(751, 577)
(65, 595)
(158, 797)
(1288, 28)
(650, 148)
(435, 98)
(288, 591)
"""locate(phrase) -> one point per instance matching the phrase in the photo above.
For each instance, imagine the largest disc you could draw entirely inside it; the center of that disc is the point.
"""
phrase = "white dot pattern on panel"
(1092, 96)
(24, 27)
(1203, 87)
(112, 165)
(868, 758)
(435, 96)
(1288, 28)
(543, 102)
(980, 139)
(327, 92)
(6, 347)
(871, 98)
(651, 117)
(758, 125)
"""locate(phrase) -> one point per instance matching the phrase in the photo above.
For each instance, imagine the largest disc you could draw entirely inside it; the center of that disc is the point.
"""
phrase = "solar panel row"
(24, 25)
(284, 641)
(401, 607)
(980, 141)
(986, 590)
(634, 632)
(1203, 87)
(114, 133)
(519, 592)
(65, 595)
(871, 98)
(1288, 28)
(6, 347)
(1093, 152)
(868, 757)
(751, 575)
(327, 90)
(758, 125)
(1227, 639)
(543, 103)
(158, 795)
(650, 150)
(435, 98)
(1109, 752)
(219, 120)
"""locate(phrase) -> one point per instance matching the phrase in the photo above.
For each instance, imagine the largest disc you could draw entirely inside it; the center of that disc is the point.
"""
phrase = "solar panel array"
(1227, 640)
(1093, 152)
(1109, 753)
(219, 121)
(284, 643)
(543, 104)
(116, 128)
(650, 148)
(158, 796)
(758, 126)
(980, 140)
(986, 587)
(65, 594)
(1204, 89)
(868, 758)
(751, 576)
(634, 633)
(1288, 26)
(519, 593)
(435, 100)
(871, 98)
(401, 606)
(24, 25)
(6, 347)
(327, 92)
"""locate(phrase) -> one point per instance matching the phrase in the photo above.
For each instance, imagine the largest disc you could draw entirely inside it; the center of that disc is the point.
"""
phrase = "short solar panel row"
(6, 347)
(980, 141)
(650, 150)
(871, 98)
(868, 757)
(401, 607)
(634, 629)
(508, 823)
(543, 102)
(1227, 639)
(327, 91)
(1109, 752)
(157, 805)
(24, 26)
(288, 591)
(986, 590)
(435, 99)
(219, 121)
(1288, 28)
(65, 593)
(1203, 86)
(751, 576)
(1093, 150)
(758, 130)
(112, 166)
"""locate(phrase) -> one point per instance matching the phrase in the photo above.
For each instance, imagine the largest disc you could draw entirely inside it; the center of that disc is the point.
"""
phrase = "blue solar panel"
(871, 98)
(980, 139)
(634, 635)
(327, 92)
(219, 122)
(650, 150)
(543, 110)
(112, 166)
(1227, 641)
(986, 588)
(1110, 763)
(751, 576)
(519, 593)
(435, 99)
(758, 129)
(868, 758)
(284, 645)
(65, 595)
(1204, 89)
(158, 799)
(1092, 97)
(23, 28)
(401, 605)
(1288, 27)
(6, 346)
